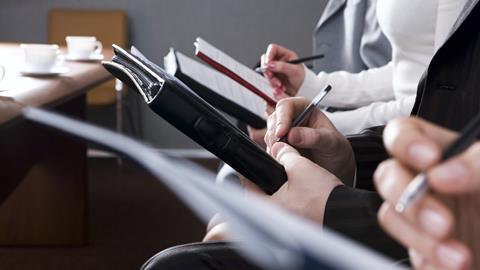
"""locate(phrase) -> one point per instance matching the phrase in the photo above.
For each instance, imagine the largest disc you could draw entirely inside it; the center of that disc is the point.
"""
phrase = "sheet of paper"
(271, 237)
(216, 81)
(236, 67)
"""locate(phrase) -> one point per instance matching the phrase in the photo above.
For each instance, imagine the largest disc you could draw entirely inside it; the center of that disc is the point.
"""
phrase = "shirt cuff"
(312, 84)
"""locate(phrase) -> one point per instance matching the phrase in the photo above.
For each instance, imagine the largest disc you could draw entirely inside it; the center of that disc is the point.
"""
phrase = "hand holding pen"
(305, 114)
(315, 136)
(451, 169)
(283, 77)
(419, 185)
(264, 68)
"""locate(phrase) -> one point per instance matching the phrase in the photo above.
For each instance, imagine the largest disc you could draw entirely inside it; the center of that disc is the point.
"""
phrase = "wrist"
(316, 208)
(310, 85)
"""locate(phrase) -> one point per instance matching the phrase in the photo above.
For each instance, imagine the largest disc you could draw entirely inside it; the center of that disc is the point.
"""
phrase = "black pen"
(308, 110)
(296, 61)
(419, 185)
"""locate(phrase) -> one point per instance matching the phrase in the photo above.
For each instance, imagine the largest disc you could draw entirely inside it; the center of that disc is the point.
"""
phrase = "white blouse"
(415, 29)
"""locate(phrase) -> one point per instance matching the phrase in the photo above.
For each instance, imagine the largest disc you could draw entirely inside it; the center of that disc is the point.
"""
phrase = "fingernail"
(433, 222)
(271, 66)
(451, 257)
(451, 172)
(279, 129)
(269, 74)
(422, 154)
(276, 148)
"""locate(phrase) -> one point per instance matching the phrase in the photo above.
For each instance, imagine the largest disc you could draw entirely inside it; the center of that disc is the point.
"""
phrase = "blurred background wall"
(242, 28)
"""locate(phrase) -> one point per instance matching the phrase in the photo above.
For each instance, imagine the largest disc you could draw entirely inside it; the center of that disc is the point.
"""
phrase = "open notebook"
(235, 70)
(270, 236)
(218, 89)
(179, 105)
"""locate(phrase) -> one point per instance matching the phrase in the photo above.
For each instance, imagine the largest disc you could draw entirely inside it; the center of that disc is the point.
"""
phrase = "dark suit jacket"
(449, 95)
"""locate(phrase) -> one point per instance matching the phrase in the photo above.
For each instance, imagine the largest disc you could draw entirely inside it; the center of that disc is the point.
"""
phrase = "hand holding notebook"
(185, 110)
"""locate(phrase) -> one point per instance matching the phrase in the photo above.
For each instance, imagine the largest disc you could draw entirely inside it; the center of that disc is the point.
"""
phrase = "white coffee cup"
(40, 57)
(83, 47)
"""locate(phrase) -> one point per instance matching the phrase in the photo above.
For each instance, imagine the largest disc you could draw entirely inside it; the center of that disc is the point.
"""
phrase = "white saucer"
(91, 58)
(55, 71)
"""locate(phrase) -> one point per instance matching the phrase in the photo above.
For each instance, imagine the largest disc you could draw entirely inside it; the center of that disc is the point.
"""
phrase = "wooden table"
(43, 193)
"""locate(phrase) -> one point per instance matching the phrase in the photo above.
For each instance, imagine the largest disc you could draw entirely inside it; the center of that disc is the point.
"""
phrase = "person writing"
(377, 95)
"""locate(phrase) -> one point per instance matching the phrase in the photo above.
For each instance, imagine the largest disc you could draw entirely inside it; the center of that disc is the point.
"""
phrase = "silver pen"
(308, 110)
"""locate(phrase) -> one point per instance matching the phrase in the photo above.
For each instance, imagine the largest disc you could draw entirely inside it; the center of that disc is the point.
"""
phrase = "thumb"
(284, 153)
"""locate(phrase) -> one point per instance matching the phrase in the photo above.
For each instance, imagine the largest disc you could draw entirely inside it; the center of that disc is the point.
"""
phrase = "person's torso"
(449, 93)
(412, 28)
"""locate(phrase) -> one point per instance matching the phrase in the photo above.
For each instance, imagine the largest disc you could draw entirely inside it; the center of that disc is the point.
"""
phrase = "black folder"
(174, 101)
(218, 100)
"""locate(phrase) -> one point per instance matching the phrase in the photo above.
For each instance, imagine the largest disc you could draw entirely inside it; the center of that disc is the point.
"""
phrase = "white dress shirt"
(415, 29)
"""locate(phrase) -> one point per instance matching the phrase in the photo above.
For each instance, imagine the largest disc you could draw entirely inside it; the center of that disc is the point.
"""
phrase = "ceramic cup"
(83, 47)
(40, 57)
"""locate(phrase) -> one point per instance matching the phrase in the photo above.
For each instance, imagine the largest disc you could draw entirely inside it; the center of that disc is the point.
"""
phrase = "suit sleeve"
(353, 213)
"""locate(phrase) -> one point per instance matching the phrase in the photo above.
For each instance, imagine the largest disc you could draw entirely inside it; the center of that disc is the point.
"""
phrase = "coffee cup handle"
(2, 72)
(60, 58)
(99, 48)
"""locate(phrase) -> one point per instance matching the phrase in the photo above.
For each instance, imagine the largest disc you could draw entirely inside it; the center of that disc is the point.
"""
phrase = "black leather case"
(184, 109)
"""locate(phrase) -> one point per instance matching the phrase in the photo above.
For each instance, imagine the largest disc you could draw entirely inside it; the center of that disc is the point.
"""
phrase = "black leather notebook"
(217, 89)
(175, 102)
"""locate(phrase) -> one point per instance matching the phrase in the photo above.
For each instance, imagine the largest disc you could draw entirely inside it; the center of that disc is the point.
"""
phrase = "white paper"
(216, 81)
(271, 237)
(234, 66)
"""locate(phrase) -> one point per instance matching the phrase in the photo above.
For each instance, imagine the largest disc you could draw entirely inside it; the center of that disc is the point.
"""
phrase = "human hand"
(305, 193)
(283, 77)
(257, 136)
(318, 139)
(427, 227)
(308, 186)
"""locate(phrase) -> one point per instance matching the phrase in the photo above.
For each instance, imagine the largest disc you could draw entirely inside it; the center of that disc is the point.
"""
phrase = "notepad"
(235, 70)
(218, 89)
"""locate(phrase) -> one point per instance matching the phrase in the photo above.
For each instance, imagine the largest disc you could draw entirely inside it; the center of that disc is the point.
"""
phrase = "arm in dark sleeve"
(353, 213)
(369, 152)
